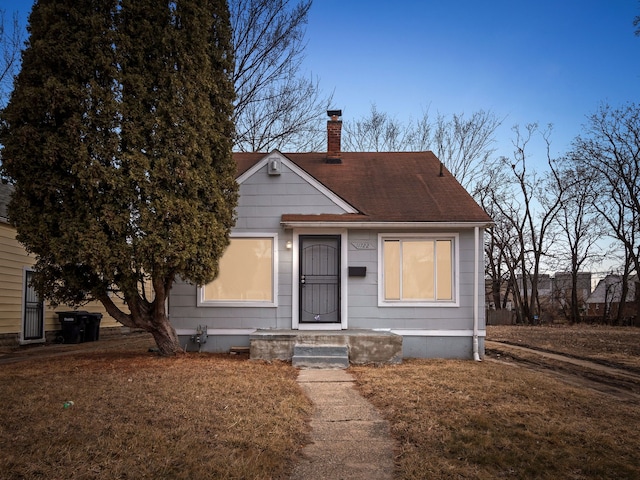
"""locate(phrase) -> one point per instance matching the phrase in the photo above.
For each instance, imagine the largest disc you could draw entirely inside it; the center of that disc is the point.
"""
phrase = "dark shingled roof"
(5, 196)
(385, 187)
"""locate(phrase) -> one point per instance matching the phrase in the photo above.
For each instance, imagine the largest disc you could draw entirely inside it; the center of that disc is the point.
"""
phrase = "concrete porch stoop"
(320, 356)
(312, 348)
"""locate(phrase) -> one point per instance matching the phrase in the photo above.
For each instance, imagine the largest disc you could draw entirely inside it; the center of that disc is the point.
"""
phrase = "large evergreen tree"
(118, 139)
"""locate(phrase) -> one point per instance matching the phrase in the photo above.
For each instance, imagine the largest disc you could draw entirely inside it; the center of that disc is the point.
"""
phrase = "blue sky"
(545, 61)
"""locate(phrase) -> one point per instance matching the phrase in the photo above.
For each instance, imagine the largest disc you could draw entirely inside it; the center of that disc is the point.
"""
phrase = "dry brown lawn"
(460, 419)
(137, 415)
(463, 419)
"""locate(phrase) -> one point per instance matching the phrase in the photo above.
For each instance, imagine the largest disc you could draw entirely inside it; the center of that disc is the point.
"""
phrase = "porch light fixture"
(289, 245)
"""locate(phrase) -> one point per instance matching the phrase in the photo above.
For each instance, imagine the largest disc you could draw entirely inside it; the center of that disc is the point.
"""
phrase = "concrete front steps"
(363, 346)
(320, 356)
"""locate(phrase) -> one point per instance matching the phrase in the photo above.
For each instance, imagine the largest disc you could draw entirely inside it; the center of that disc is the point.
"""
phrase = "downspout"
(476, 291)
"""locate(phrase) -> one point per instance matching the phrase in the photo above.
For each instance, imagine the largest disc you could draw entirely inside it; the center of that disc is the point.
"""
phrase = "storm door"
(33, 312)
(319, 279)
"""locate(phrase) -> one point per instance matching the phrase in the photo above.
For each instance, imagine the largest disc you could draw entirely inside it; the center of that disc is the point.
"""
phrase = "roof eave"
(382, 225)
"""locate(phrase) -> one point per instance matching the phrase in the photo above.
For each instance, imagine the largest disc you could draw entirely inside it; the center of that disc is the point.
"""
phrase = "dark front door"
(33, 312)
(319, 279)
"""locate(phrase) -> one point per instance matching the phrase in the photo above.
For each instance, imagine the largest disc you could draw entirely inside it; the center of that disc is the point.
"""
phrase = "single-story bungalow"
(339, 244)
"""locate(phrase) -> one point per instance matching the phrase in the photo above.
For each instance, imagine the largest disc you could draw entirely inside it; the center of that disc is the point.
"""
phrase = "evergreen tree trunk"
(150, 317)
(165, 336)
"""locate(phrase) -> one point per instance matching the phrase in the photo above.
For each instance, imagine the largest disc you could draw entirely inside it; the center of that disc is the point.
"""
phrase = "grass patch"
(462, 419)
(143, 416)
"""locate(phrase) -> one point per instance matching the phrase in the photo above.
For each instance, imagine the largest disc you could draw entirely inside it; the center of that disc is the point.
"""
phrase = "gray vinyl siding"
(263, 199)
(363, 291)
(439, 347)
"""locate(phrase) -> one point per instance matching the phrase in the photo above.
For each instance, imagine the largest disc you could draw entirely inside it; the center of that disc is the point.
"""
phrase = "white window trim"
(455, 237)
(201, 302)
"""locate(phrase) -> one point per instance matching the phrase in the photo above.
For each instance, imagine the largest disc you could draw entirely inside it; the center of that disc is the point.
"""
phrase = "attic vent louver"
(274, 166)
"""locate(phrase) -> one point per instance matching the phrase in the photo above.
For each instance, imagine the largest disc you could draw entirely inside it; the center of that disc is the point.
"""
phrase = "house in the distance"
(342, 243)
(604, 302)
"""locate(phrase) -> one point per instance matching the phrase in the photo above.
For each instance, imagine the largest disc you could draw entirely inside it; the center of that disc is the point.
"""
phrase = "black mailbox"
(357, 271)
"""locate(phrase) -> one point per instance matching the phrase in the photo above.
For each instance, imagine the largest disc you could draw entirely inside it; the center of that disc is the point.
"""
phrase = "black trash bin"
(91, 326)
(73, 326)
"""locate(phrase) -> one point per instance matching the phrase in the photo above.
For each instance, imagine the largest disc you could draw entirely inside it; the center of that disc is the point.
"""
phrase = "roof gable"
(609, 289)
(250, 165)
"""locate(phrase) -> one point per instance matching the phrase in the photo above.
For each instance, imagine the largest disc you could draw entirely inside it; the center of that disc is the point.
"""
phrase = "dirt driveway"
(620, 381)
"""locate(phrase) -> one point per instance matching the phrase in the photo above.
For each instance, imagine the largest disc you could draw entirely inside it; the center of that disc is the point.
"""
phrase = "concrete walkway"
(349, 439)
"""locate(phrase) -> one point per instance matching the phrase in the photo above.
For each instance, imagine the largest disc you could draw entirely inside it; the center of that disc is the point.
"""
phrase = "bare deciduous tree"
(610, 148)
(527, 207)
(11, 38)
(580, 229)
(276, 105)
(464, 144)
(498, 240)
(377, 132)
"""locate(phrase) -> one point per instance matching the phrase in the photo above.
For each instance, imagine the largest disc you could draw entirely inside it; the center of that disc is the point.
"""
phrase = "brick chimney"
(334, 134)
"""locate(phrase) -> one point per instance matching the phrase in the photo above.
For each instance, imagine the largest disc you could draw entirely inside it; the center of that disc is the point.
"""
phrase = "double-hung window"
(248, 269)
(417, 270)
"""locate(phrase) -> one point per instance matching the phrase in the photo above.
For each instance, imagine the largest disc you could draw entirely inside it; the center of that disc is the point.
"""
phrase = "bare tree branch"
(276, 106)
(11, 38)
(610, 146)
(377, 132)
(463, 144)
(526, 209)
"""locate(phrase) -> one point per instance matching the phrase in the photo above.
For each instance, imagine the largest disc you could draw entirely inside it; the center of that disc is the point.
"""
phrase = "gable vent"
(274, 166)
